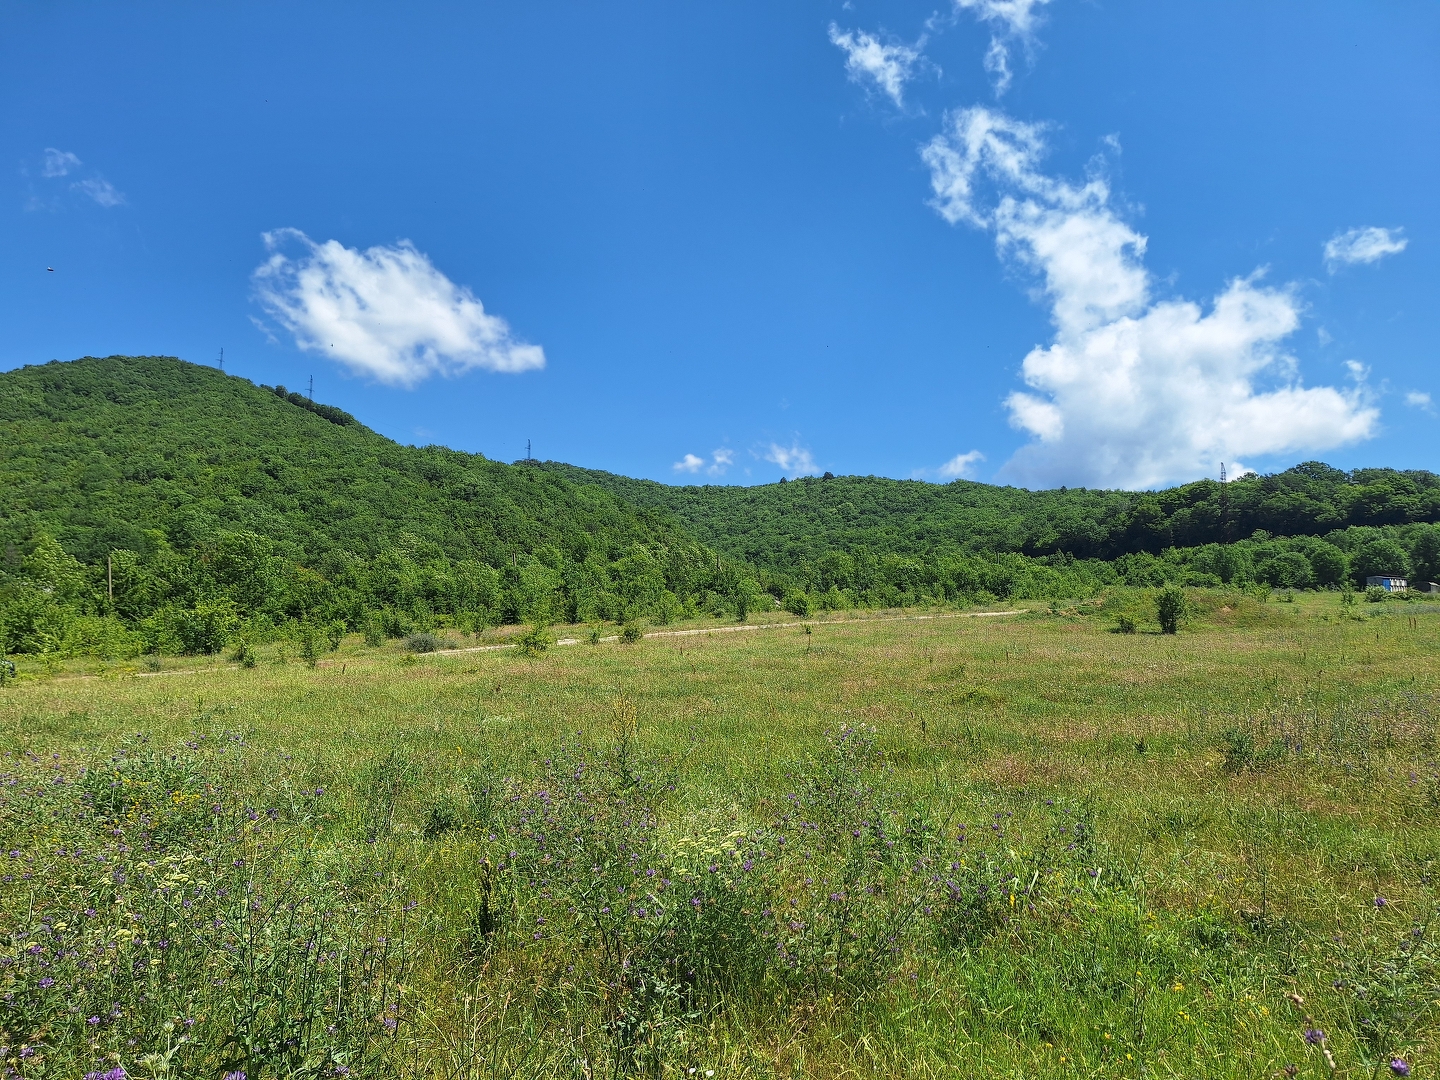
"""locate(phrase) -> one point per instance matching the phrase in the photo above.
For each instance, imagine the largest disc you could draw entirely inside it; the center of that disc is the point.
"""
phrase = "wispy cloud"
(1011, 22)
(101, 190)
(58, 162)
(1419, 399)
(1359, 246)
(961, 465)
(794, 460)
(869, 60)
(1133, 391)
(386, 312)
(719, 461)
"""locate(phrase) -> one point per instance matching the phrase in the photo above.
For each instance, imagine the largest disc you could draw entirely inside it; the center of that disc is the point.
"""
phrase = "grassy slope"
(1218, 894)
(97, 450)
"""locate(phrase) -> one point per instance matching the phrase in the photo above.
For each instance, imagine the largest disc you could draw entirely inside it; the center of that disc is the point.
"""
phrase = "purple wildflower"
(1314, 1036)
(1399, 1066)
(1380, 901)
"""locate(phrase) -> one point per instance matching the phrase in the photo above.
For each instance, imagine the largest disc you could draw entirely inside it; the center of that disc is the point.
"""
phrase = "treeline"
(786, 525)
(240, 586)
(157, 506)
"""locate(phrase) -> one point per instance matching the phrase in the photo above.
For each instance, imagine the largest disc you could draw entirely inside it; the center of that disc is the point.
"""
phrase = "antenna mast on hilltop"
(528, 456)
(222, 359)
(311, 394)
(1222, 472)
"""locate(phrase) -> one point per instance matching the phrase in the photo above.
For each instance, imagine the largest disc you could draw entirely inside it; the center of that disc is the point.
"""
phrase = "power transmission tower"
(528, 456)
(222, 359)
(311, 394)
(1222, 472)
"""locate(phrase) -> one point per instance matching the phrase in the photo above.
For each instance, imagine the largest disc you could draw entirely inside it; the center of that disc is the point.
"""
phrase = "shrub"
(373, 629)
(1124, 624)
(243, 654)
(1375, 594)
(535, 640)
(797, 603)
(1171, 608)
(631, 632)
(427, 643)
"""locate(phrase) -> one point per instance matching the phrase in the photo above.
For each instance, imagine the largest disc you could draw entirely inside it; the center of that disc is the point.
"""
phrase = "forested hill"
(101, 453)
(152, 497)
(786, 525)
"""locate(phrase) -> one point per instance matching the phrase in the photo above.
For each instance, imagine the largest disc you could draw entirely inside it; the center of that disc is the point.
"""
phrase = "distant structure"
(1429, 587)
(1388, 582)
(1222, 472)
(222, 359)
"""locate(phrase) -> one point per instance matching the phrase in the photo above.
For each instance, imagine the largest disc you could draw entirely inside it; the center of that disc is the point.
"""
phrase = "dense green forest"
(1311, 526)
(156, 505)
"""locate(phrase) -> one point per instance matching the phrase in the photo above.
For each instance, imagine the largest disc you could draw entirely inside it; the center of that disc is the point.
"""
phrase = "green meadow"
(908, 843)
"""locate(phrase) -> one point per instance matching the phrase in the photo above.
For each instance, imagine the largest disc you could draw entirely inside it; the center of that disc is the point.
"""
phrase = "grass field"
(1019, 846)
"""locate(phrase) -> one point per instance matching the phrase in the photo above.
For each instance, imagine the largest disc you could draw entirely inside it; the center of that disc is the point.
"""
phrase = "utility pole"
(222, 359)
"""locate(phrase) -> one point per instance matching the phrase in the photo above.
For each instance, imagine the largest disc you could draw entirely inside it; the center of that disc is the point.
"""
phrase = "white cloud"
(101, 190)
(961, 465)
(1363, 246)
(1420, 400)
(58, 162)
(867, 58)
(1012, 20)
(794, 460)
(1132, 392)
(384, 312)
(720, 460)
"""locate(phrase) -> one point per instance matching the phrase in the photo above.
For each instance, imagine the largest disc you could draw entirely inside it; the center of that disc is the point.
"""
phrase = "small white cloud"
(1019, 18)
(58, 162)
(961, 465)
(1420, 400)
(101, 190)
(384, 312)
(868, 59)
(1359, 246)
(720, 460)
(1133, 391)
(1013, 21)
(794, 460)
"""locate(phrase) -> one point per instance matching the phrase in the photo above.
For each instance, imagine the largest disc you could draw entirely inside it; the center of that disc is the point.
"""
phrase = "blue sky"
(1042, 243)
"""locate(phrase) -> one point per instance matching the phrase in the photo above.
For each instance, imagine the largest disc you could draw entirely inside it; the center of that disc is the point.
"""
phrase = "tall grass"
(1036, 848)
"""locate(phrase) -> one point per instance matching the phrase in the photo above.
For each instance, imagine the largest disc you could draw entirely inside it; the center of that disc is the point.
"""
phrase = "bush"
(536, 640)
(373, 629)
(631, 632)
(243, 654)
(427, 643)
(797, 603)
(1124, 624)
(1171, 608)
(1375, 594)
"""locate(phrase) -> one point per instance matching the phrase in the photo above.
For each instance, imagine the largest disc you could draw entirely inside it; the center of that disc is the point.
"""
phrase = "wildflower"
(46, 983)
(1314, 1036)
(1399, 1067)
(234, 1076)
(1380, 901)
(92, 1020)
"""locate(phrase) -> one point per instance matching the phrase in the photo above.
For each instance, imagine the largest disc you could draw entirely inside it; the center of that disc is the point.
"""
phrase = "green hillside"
(141, 487)
(785, 525)
(156, 505)
(856, 537)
